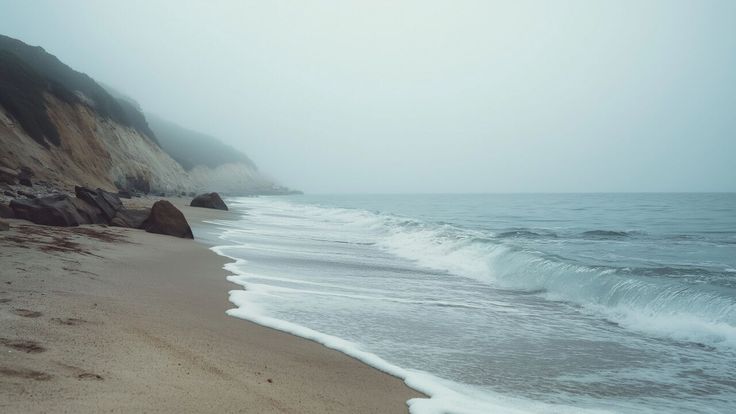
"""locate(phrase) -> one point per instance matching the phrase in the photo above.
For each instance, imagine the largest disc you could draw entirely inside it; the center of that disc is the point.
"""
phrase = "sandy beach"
(99, 319)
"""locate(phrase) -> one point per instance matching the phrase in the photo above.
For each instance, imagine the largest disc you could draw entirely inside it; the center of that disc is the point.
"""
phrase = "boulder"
(9, 193)
(124, 194)
(209, 200)
(111, 199)
(132, 218)
(56, 210)
(90, 213)
(167, 219)
(6, 211)
(106, 202)
(4, 226)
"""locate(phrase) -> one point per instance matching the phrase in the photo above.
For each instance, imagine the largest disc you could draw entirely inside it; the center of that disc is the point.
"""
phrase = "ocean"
(509, 303)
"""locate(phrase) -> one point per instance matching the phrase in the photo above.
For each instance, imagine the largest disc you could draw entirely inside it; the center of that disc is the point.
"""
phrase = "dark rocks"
(106, 202)
(6, 211)
(132, 218)
(167, 219)
(89, 212)
(24, 177)
(57, 210)
(9, 193)
(111, 198)
(4, 226)
(125, 194)
(209, 200)
(26, 195)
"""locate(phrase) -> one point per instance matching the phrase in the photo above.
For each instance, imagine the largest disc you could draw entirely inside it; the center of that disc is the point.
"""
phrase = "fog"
(425, 96)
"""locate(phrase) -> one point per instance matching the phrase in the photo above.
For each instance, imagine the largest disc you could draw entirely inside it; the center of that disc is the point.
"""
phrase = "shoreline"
(117, 319)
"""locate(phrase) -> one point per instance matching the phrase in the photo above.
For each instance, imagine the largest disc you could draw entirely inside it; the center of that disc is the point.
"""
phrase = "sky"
(425, 96)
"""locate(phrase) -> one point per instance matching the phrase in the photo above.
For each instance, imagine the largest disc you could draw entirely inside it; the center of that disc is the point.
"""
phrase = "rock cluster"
(209, 200)
(98, 207)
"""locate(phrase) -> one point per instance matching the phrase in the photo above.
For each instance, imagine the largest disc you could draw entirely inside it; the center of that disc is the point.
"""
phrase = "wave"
(525, 234)
(661, 301)
(605, 234)
(654, 301)
(443, 396)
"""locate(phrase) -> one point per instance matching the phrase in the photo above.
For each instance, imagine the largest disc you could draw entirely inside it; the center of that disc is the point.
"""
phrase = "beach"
(97, 318)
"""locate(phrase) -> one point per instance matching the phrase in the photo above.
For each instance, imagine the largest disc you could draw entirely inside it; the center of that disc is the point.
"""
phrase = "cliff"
(68, 130)
(211, 164)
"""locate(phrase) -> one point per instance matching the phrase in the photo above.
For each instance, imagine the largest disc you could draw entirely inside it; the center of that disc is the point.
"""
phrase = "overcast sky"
(426, 96)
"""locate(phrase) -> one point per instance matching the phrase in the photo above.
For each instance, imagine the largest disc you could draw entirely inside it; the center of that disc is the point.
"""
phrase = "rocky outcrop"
(107, 203)
(132, 218)
(90, 207)
(58, 210)
(167, 219)
(90, 213)
(209, 200)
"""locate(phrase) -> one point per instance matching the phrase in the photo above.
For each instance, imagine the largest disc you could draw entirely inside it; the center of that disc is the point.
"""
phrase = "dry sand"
(99, 319)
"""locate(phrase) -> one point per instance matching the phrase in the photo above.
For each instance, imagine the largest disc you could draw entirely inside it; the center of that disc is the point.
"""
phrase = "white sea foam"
(444, 397)
(656, 307)
(659, 307)
(643, 304)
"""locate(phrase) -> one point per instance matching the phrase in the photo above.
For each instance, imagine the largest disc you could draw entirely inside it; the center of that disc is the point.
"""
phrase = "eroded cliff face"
(93, 151)
(62, 127)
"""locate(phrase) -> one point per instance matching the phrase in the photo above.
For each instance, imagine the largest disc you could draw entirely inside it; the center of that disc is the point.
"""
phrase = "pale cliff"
(68, 130)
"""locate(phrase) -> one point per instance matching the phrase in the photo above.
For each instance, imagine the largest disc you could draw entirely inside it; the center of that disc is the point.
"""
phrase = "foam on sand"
(443, 396)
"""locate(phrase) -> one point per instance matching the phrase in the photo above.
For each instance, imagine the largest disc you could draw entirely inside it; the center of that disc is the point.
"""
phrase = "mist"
(426, 96)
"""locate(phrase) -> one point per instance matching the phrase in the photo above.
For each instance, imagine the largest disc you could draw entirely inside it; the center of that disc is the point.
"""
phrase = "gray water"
(535, 303)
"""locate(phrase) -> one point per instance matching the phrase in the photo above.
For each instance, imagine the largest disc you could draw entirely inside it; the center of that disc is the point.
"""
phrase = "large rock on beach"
(57, 210)
(4, 226)
(167, 219)
(209, 200)
(106, 202)
(89, 213)
(133, 218)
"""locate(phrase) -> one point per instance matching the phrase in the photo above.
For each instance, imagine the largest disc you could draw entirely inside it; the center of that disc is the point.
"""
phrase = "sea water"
(505, 303)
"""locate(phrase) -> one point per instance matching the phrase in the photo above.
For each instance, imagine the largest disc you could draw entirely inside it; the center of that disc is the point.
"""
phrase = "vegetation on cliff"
(28, 72)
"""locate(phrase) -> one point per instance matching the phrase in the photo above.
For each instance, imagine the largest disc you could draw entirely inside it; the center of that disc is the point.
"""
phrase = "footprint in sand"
(68, 321)
(27, 313)
(22, 345)
(90, 376)
(25, 373)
